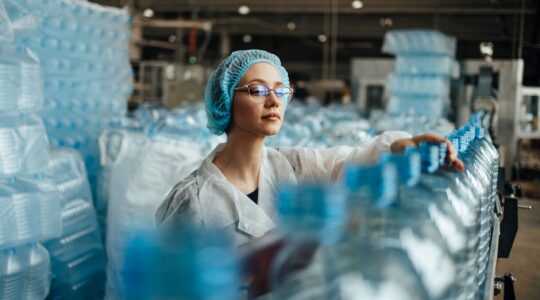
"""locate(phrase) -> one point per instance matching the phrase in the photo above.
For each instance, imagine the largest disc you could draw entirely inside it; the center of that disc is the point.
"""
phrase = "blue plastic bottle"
(181, 263)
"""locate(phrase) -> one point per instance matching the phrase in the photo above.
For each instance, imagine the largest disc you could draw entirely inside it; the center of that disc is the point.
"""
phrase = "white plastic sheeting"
(141, 171)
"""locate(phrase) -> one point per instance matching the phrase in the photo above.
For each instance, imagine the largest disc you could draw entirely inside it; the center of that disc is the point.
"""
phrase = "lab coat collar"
(233, 206)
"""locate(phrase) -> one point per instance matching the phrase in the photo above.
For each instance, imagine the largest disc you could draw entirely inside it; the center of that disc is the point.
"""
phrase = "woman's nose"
(272, 100)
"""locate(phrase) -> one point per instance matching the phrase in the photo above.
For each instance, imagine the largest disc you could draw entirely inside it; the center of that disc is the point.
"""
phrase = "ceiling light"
(148, 13)
(322, 38)
(291, 26)
(243, 9)
(357, 4)
(247, 38)
(386, 22)
(486, 48)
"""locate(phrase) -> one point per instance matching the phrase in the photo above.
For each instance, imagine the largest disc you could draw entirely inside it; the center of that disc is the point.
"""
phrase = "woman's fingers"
(451, 154)
(399, 146)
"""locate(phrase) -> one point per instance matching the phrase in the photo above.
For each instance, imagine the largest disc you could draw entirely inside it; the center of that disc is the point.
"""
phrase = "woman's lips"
(271, 117)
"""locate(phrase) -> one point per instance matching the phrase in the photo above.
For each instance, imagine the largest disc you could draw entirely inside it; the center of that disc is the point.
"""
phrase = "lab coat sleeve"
(313, 164)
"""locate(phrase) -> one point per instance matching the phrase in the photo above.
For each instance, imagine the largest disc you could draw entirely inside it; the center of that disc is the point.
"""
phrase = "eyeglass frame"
(245, 88)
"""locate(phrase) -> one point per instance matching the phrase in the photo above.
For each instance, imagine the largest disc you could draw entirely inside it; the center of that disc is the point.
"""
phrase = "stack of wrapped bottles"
(83, 48)
(45, 193)
(425, 63)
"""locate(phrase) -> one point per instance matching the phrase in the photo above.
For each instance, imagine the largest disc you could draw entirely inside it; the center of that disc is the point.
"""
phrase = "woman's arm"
(312, 164)
(399, 146)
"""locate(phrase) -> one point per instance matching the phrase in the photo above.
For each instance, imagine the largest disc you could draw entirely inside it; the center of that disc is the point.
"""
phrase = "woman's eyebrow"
(264, 81)
(258, 80)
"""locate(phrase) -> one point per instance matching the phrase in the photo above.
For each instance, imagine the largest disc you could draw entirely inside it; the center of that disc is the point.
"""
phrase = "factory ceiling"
(293, 29)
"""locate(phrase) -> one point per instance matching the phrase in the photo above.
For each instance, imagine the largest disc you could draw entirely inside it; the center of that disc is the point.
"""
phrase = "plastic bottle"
(21, 80)
(38, 277)
(30, 210)
(12, 274)
(24, 145)
(183, 263)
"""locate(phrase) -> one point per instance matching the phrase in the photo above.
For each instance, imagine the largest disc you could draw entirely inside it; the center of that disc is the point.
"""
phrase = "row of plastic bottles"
(78, 256)
(410, 122)
(411, 105)
(70, 18)
(403, 228)
(99, 31)
(426, 65)
(20, 74)
(418, 42)
(419, 85)
(425, 236)
(311, 125)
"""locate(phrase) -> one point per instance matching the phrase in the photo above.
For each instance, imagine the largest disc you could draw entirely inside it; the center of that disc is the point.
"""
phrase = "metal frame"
(489, 286)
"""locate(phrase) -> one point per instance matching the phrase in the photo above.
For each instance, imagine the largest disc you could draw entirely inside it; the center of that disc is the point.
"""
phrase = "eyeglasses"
(259, 92)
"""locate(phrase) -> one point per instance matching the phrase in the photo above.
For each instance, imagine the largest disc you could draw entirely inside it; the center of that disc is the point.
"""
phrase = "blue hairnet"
(219, 93)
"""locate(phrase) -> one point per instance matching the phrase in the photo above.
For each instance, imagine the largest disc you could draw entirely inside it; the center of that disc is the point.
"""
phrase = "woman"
(246, 98)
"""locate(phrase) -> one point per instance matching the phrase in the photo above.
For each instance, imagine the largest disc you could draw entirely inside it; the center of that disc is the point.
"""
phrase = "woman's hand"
(451, 156)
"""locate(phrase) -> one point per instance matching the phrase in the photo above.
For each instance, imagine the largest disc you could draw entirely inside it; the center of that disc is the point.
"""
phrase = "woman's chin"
(271, 130)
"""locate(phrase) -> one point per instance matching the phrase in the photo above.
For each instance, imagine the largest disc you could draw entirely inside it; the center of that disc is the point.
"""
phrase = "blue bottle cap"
(480, 133)
(443, 152)
(472, 132)
(430, 156)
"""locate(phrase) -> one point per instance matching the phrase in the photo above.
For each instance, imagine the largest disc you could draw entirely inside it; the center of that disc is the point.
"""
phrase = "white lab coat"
(207, 198)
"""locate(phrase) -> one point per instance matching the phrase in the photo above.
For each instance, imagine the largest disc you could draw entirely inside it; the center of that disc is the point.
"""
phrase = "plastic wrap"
(141, 174)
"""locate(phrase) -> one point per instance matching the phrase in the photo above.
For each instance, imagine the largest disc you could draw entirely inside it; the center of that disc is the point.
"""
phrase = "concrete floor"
(524, 260)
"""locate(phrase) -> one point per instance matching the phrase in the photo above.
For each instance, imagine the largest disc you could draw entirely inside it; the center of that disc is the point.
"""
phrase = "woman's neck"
(240, 160)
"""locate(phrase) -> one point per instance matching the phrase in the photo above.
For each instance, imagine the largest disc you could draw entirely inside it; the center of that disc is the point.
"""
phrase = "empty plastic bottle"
(12, 274)
(38, 277)
(25, 273)
(30, 211)
(24, 145)
(68, 172)
(21, 81)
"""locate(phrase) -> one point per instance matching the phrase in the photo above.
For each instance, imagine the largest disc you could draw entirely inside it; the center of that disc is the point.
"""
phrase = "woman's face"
(260, 119)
